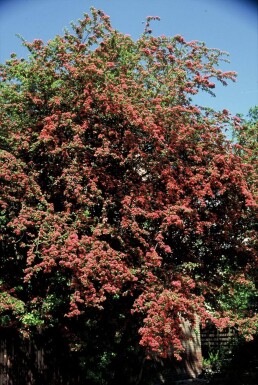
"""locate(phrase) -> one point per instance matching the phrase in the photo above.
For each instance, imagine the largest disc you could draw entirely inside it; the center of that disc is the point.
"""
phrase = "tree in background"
(245, 133)
(124, 209)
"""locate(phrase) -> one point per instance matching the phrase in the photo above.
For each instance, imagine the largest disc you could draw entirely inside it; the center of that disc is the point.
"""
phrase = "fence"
(213, 340)
(43, 360)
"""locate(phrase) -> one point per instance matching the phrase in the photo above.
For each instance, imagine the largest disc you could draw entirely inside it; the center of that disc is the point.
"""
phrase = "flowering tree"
(122, 203)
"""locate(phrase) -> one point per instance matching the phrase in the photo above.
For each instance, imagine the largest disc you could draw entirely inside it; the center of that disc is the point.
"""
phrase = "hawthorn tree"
(124, 208)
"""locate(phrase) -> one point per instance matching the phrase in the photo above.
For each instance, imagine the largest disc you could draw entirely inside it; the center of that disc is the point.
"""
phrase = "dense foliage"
(245, 133)
(124, 209)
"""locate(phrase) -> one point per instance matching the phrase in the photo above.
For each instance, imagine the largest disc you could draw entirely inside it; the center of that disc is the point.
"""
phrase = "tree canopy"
(122, 202)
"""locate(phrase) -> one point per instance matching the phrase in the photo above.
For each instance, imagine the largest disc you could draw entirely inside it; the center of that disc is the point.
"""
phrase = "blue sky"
(230, 25)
